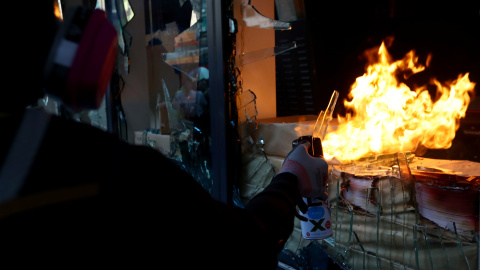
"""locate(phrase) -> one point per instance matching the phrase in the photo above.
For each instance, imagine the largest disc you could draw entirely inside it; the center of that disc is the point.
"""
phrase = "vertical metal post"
(218, 103)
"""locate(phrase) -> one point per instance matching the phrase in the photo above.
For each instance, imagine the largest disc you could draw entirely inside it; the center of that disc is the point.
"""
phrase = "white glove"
(312, 172)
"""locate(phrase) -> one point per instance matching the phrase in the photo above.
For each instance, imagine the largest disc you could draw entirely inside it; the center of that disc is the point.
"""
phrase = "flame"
(386, 116)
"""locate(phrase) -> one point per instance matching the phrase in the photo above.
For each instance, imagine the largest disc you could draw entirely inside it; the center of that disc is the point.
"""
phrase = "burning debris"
(386, 116)
(380, 188)
(388, 204)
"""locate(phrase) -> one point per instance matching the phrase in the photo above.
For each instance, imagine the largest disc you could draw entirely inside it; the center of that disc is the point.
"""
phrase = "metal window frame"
(221, 156)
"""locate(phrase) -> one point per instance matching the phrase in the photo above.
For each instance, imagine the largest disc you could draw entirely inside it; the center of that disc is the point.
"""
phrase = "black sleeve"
(275, 207)
(148, 211)
(196, 226)
(215, 233)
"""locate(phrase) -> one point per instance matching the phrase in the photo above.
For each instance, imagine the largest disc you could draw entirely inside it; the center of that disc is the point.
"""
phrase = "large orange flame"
(385, 116)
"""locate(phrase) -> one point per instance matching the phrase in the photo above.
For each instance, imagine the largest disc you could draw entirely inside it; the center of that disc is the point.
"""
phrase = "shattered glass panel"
(257, 170)
(247, 119)
(176, 44)
(244, 98)
(248, 113)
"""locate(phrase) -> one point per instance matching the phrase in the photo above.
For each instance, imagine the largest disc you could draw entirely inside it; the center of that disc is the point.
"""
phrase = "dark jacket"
(91, 199)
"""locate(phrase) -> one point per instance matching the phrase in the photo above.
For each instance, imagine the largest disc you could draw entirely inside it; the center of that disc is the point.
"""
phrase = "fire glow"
(386, 116)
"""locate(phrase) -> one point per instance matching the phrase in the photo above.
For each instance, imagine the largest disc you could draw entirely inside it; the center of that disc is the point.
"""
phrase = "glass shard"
(254, 56)
(125, 12)
(173, 115)
(253, 18)
(403, 167)
(244, 98)
(320, 128)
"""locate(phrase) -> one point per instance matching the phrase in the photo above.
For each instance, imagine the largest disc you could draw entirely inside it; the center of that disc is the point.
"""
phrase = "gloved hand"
(312, 172)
